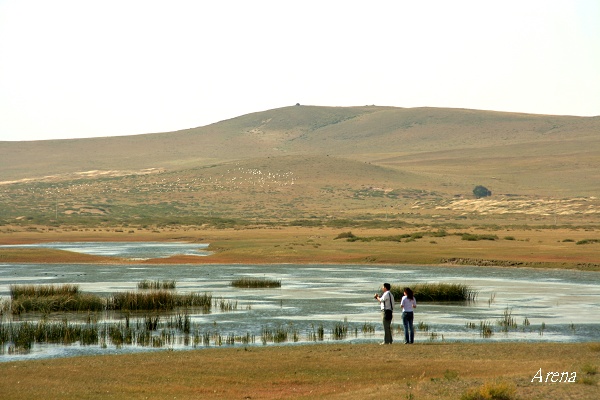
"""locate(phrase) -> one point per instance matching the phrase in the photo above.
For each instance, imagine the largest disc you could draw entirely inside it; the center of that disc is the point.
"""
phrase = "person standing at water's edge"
(386, 301)
(408, 304)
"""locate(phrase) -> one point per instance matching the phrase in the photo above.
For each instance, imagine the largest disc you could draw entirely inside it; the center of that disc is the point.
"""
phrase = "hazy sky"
(86, 68)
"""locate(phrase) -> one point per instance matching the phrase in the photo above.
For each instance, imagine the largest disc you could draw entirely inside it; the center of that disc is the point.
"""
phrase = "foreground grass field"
(338, 371)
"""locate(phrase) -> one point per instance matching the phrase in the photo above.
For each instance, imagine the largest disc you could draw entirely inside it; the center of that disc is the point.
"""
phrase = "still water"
(547, 305)
(131, 250)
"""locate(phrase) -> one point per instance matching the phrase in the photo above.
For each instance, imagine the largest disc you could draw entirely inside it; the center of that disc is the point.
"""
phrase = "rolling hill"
(305, 162)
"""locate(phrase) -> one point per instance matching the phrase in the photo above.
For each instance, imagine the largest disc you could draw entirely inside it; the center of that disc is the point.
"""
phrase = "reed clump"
(507, 321)
(152, 330)
(24, 335)
(437, 292)
(158, 300)
(226, 305)
(17, 291)
(317, 334)
(256, 283)
(156, 285)
(340, 331)
(277, 335)
(57, 303)
(52, 298)
(485, 329)
(367, 328)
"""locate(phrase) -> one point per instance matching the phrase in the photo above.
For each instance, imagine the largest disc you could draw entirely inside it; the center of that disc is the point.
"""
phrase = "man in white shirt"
(386, 301)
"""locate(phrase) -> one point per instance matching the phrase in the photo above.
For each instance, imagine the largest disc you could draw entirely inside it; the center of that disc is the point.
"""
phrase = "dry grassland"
(547, 248)
(333, 371)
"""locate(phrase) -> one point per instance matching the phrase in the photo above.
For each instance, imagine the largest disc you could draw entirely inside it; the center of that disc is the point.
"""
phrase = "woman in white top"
(408, 304)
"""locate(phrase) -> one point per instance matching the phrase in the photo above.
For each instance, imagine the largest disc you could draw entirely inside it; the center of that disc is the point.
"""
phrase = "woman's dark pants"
(407, 321)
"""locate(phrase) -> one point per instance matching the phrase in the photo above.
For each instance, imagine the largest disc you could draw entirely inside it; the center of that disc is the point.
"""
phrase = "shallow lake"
(130, 250)
(547, 305)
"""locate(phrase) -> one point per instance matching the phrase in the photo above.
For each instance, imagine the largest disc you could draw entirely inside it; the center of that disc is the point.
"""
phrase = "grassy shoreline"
(550, 248)
(348, 371)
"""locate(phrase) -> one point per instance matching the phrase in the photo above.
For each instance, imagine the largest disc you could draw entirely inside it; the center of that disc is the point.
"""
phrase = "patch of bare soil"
(574, 206)
(86, 174)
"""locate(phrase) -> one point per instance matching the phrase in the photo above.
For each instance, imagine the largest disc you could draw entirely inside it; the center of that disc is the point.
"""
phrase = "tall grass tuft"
(422, 326)
(340, 331)
(507, 321)
(52, 298)
(437, 292)
(57, 303)
(485, 329)
(256, 283)
(17, 291)
(158, 300)
(318, 334)
(367, 328)
(24, 335)
(226, 305)
(279, 335)
(156, 285)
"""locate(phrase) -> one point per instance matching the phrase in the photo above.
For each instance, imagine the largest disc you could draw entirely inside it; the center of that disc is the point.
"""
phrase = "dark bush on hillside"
(481, 191)
(473, 237)
(345, 235)
(588, 241)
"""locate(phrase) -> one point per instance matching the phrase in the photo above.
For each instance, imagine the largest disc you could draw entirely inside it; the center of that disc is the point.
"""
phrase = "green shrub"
(588, 241)
(474, 237)
(409, 237)
(481, 191)
(345, 235)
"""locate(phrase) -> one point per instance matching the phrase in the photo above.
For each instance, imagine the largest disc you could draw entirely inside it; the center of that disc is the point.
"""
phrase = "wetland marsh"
(314, 303)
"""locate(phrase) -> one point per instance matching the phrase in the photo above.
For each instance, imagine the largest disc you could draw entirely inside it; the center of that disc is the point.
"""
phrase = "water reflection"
(547, 305)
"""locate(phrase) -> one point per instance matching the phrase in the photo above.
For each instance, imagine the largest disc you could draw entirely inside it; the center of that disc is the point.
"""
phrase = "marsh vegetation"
(52, 298)
(319, 303)
(256, 283)
(157, 284)
(436, 292)
(146, 320)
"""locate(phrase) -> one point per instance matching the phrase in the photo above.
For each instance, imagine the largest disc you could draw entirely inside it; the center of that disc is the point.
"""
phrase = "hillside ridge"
(362, 133)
